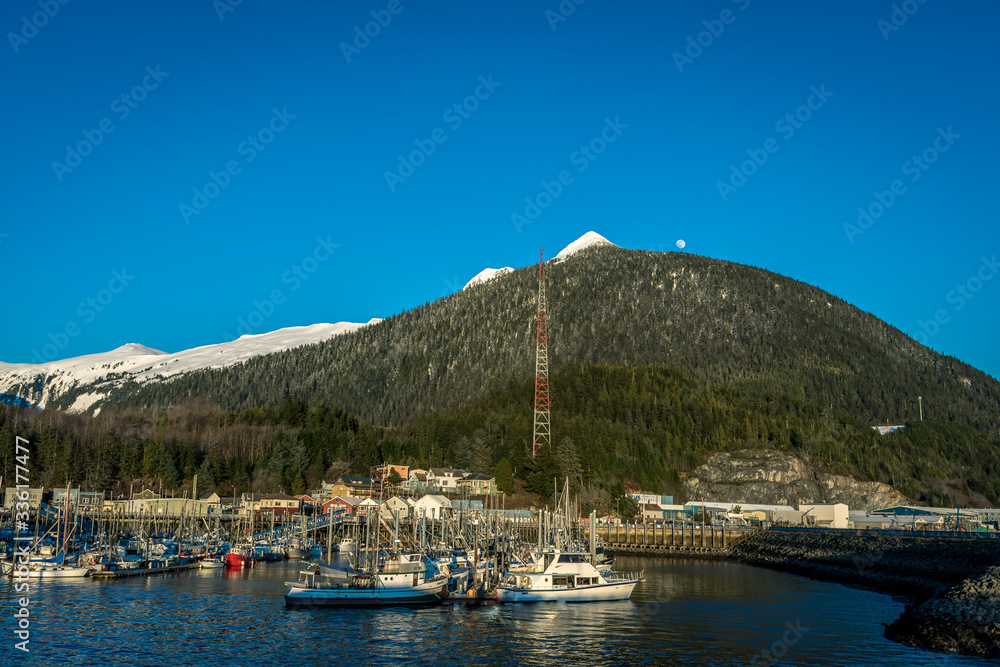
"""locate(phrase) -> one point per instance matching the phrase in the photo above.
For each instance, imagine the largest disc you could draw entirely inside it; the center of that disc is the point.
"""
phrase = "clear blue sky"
(548, 92)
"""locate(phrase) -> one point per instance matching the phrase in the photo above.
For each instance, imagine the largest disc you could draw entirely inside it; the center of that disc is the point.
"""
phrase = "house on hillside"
(432, 507)
(383, 472)
(416, 481)
(477, 484)
(359, 487)
(444, 479)
(348, 504)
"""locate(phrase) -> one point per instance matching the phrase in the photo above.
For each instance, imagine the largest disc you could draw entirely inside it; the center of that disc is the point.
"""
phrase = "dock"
(680, 541)
(141, 571)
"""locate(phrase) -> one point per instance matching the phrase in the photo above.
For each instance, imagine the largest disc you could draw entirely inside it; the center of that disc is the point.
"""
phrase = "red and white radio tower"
(541, 433)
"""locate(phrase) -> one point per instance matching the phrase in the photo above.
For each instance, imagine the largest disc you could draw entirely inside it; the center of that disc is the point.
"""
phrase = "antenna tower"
(541, 431)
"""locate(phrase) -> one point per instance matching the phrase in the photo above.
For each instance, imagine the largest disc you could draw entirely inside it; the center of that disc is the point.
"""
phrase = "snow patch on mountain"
(104, 371)
(590, 239)
(487, 275)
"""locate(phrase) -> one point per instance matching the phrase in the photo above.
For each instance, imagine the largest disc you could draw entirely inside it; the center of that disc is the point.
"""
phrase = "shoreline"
(951, 588)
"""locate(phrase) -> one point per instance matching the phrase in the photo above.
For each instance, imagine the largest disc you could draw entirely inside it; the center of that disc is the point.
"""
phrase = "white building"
(393, 507)
(826, 515)
(432, 507)
(445, 479)
(11, 497)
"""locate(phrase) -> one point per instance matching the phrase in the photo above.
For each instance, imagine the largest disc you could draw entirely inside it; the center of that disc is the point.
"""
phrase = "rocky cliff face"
(772, 478)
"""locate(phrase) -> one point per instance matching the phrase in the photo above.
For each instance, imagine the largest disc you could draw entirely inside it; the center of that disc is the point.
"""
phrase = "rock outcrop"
(772, 478)
(964, 619)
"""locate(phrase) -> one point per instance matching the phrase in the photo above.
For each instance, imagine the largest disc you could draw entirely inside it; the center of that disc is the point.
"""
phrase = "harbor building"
(432, 507)
(34, 497)
(826, 515)
(278, 504)
(81, 500)
(348, 504)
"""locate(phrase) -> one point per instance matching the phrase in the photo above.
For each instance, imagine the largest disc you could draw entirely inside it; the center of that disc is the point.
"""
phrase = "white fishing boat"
(212, 564)
(566, 577)
(406, 579)
(348, 547)
(52, 571)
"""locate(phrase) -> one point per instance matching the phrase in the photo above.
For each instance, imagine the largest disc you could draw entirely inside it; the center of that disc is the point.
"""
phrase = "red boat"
(240, 557)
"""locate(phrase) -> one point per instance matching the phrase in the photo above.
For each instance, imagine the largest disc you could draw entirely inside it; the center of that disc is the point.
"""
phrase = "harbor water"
(685, 613)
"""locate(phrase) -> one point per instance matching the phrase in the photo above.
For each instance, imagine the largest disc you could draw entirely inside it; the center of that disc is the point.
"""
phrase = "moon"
(680, 243)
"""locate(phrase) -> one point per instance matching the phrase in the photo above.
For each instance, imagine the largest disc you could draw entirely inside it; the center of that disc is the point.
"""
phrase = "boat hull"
(58, 573)
(601, 593)
(238, 560)
(351, 597)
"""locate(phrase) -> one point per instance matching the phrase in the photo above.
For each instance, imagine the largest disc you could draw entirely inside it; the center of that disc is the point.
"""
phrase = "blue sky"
(247, 140)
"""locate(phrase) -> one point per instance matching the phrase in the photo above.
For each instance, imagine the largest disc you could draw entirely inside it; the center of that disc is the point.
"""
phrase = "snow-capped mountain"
(91, 377)
(586, 241)
(106, 370)
(487, 275)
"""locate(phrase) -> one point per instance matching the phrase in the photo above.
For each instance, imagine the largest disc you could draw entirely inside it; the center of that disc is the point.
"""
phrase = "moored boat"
(406, 579)
(240, 556)
(566, 577)
(50, 571)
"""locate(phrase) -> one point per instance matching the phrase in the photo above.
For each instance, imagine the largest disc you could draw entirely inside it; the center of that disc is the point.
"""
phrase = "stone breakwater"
(955, 583)
(963, 619)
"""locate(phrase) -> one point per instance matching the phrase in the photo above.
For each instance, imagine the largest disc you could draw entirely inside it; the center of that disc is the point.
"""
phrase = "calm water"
(685, 613)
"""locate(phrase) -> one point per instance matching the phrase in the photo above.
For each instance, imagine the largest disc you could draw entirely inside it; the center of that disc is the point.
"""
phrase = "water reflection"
(685, 613)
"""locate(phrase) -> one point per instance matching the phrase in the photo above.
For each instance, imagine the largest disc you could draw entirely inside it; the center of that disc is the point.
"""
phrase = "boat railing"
(621, 576)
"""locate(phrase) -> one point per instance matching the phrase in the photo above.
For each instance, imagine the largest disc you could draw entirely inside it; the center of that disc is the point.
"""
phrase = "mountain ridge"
(717, 320)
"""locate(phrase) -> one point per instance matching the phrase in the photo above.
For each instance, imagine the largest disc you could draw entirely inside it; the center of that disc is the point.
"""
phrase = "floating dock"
(141, 571)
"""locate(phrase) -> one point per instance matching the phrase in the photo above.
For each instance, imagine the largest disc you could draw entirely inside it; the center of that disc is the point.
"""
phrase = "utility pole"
(541, 430)
(920, 401)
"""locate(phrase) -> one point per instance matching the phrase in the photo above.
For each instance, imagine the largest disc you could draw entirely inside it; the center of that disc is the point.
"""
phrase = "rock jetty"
(955, 584)
(963, 619)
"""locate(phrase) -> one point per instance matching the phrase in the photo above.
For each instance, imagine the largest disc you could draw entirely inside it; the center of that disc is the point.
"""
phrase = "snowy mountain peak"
(135, 349)
(487, 275)
(587, 240)
(102, 372)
